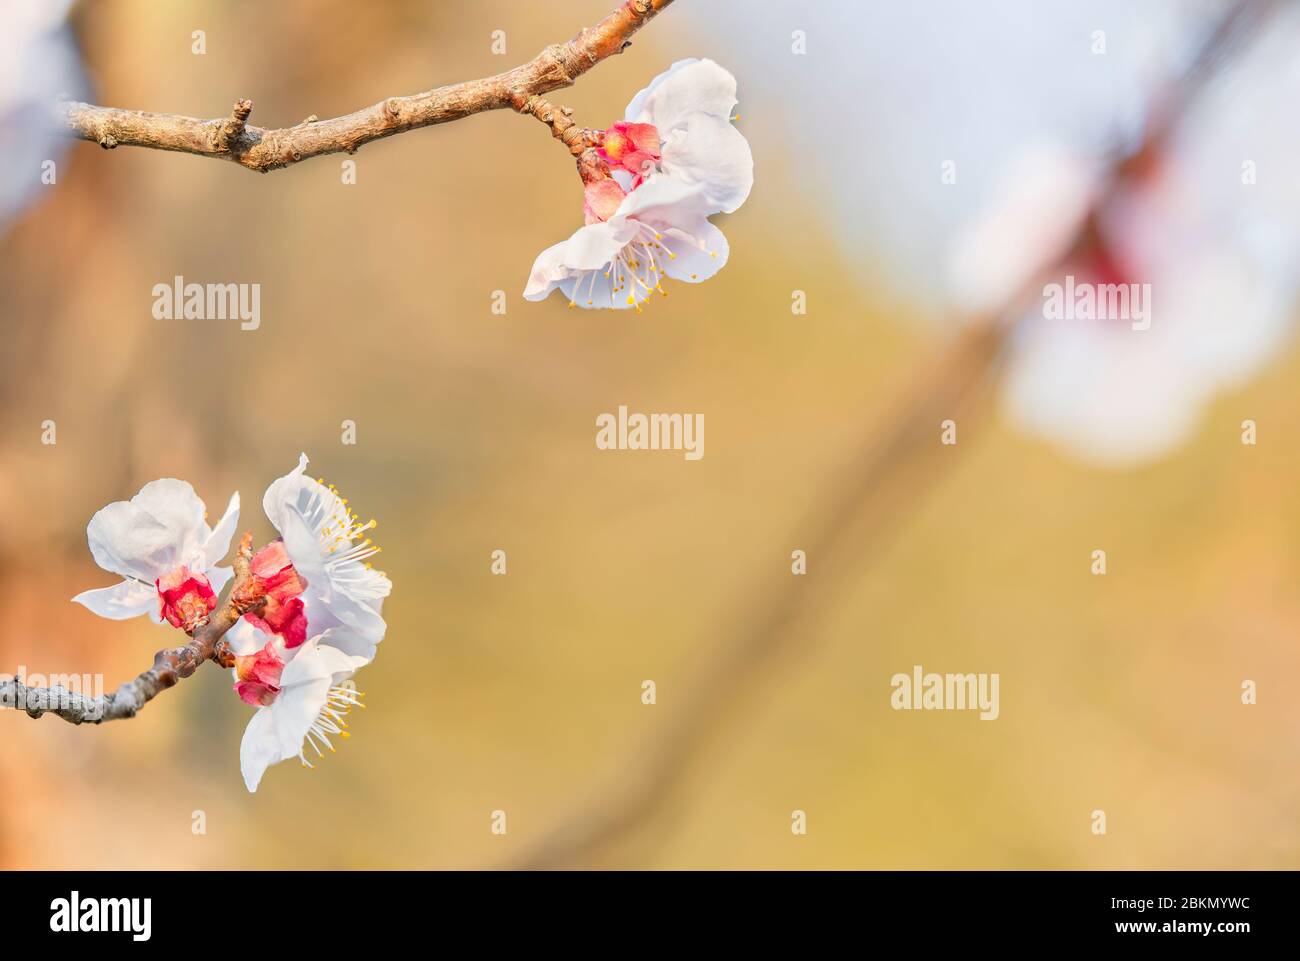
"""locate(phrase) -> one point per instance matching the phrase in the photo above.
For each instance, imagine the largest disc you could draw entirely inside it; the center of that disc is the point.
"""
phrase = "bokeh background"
(475, 433)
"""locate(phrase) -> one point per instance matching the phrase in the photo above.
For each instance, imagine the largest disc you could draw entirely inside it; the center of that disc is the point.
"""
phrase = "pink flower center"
(630, 147)
(259, 676)
(274, 575)
(633, 147)
(185, 598)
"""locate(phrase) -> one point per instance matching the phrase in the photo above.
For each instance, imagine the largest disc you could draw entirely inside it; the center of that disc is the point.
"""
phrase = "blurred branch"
(169, 665)
(232, 138)
(864, 503)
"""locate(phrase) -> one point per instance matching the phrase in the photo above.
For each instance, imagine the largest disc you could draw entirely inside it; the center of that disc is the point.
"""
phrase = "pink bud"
(601, 199)
(259, 676)
(274, 573)
(185, 598)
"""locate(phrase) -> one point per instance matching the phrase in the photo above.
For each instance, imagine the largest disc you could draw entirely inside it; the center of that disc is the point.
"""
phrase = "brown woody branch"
(169, 665)
(561, 123)
(232, 138)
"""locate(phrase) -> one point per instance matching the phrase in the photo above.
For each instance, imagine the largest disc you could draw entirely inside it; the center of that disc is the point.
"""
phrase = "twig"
(169, 665)
(866, 501)
(232, 138)
(560, 120)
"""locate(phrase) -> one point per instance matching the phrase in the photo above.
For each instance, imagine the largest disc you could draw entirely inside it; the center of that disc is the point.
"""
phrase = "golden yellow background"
(475, 432)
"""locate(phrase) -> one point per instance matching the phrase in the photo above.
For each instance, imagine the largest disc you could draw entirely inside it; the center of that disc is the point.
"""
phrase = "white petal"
(127, 540)
(714, 154)
(278, 732)
(688, 86)
(595, 291)
(245, 639)
(592, 291)
(304, 687)
(287, 491)
(363, 583)
(296, 708)
(341, 612)
(259, 749)
(548, 272)
(304, 549)
(665, 198)
(218, 576)
(577, 266)
(623, 178)
(595, 245)
(322, 657)
(127, 599)
(329, 602)
(349, 643)
(174, 503)
(218, 540)
(701, 251)
(357, 615)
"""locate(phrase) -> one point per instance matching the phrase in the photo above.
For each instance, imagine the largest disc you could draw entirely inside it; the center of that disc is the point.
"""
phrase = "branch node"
(232, 129)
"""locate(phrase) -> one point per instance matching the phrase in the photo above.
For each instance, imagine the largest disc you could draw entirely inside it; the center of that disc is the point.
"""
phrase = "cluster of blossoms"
(673, 161)
(319, 617)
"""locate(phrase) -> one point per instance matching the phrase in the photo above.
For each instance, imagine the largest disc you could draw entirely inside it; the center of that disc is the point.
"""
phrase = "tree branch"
(232, 138)
(169, 665)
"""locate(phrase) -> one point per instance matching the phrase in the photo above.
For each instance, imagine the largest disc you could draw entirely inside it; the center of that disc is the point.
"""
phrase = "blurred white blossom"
(1214, 230)
(39, 62)
(981, 136)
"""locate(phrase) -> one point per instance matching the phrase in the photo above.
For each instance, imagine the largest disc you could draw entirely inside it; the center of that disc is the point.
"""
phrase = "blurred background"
(475, 432)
